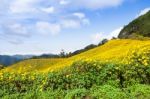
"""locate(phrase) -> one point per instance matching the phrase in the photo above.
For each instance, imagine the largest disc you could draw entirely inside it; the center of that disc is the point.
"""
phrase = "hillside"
(114, 50)
(138, 28)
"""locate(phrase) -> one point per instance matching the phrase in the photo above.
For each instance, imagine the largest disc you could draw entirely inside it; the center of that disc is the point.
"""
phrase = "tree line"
(64, 54)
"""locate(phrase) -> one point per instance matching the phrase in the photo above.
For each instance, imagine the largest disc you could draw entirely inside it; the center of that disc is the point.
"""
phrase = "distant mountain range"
(8, 60)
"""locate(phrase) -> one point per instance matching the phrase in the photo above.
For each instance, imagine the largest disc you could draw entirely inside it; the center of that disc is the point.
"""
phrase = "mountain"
(114, 50)
(9, 60)
(23, 56)
(138, 28)
(46, 56)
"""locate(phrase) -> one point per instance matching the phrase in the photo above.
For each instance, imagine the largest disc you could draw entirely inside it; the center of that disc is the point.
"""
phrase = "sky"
(47, 26)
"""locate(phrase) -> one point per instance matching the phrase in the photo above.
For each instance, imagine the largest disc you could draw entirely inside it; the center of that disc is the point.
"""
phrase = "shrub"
(83, 79)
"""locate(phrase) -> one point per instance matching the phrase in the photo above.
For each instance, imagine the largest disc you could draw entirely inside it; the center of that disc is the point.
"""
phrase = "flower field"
(119, 51)
(120, 69)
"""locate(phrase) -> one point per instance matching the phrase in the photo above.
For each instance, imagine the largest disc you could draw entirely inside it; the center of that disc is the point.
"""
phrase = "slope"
(114, 50)
(138, 28)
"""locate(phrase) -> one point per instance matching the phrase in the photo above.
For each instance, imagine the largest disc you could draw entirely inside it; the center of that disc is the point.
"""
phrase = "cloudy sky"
(47, 26)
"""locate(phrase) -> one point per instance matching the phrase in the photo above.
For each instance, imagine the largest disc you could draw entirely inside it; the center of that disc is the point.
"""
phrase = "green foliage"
(76, 94)
(137, 28)
(84, 79)
(108, 92)
(139, 91)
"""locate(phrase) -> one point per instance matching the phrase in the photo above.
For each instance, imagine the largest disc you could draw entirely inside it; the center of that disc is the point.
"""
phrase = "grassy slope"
(114, 50)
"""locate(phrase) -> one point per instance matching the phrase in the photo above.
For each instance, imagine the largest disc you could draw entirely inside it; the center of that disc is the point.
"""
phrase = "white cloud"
(46, 28)
(82, 17)
(15, 33)
(70, 23)
(58, 15)
(64, 2)
(48, 10)
(18, 28)
(96, 4)
(32, 9)
(79, 15)
(144, 11)
(97, 37)
(74, 23)
(22, 6)
(74, 20)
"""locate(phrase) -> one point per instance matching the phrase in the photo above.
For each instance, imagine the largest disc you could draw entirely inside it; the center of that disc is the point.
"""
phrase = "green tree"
(62, 53)
(103, 42)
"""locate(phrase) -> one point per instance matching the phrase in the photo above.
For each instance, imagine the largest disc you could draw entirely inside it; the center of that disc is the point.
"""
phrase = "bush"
(108, 92)
(76, 94)
(84, 79)
(139, 91)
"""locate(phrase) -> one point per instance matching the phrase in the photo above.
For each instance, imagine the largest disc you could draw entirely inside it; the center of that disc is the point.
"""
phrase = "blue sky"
(47, 26)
